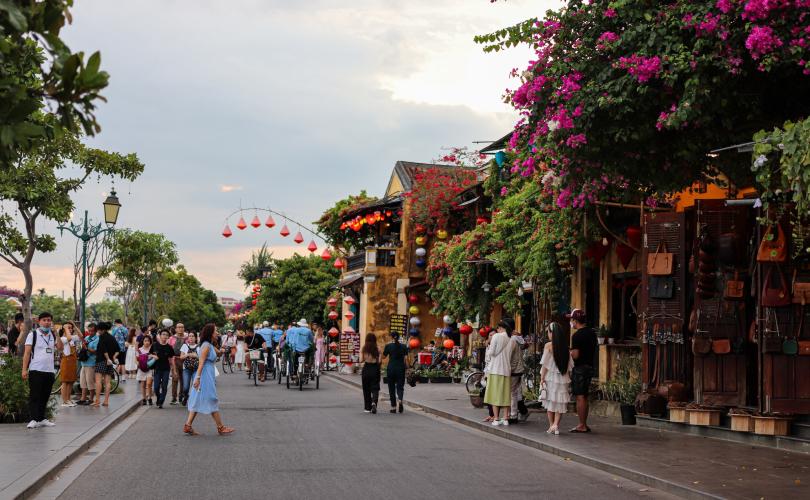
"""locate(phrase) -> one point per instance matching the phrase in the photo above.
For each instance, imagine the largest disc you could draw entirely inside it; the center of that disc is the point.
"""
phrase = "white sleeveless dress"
(240, 352)
(558, 385)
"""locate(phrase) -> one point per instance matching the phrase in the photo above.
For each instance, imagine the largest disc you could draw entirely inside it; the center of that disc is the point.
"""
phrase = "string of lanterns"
(371, 218)
(421, 241)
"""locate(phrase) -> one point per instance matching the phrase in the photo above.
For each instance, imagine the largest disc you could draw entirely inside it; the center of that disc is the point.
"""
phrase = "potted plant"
(475, 397)
(602, 334)
(624, 387)
(456, 372)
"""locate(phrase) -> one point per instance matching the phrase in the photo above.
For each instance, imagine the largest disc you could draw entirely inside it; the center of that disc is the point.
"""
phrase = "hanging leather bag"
(701, 345)
(790, 346)
(771, 338)
(801, 291)
(773, 247)
(803, 346)
(662, 287)
(735, 288)
(730, 250)
(721, 346)
(661, 262)
(773, 295)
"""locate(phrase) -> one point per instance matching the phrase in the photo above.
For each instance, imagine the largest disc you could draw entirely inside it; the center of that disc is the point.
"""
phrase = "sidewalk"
(28, 457)
(684, 465)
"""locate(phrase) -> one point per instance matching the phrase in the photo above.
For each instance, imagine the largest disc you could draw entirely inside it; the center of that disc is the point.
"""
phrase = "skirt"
(555, 396)
(143, 376)
(240, 353)
(103, 368)
(499, 390)
(131, 363)
(68, 369)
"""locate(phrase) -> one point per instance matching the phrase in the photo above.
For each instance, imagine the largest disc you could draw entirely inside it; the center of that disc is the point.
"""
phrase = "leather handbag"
(773, 247)
(738, 345)
(735, 288)
(790, 346)
(775, 296)
(802, 346)
(662, 287)
(721, 346)
(801, 291)
(730, 250)
(701, 345)
(661, 262)
(771, 338)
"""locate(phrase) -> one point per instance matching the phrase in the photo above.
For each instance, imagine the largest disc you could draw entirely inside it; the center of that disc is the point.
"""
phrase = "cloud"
(227, 188)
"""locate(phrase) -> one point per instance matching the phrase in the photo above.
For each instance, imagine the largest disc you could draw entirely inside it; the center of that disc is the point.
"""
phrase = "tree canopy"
(251, 269)
(180, 296)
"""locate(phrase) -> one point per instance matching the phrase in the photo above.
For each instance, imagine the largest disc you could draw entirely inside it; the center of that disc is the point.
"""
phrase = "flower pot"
(611, 340)
(628, 414)
(771, 426)
(476, 400)
(422, 380)
(601, 340)
(456, 380)
(742, 423)
(440, 380)
(701, 416)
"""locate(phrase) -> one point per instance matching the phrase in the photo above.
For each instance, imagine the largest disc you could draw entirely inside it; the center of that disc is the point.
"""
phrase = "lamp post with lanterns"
(86, 231)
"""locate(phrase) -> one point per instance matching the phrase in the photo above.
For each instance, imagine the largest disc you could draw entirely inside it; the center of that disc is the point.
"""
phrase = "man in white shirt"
(38, 368)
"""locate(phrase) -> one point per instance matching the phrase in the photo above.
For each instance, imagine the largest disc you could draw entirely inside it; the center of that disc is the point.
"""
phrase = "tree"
(331, 224)
(298, 288)
(105, 310)
(138, 259)
(180, 296)
(7, 310)
(62, 309)
(36, 188)
(252, 269)
(99, 253)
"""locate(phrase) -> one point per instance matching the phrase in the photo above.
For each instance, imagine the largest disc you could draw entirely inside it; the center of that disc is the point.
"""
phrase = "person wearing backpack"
(190, 360)
(38, 369)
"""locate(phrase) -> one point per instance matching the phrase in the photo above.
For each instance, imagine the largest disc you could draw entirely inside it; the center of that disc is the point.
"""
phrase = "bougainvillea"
(332, 219)
(434, 195)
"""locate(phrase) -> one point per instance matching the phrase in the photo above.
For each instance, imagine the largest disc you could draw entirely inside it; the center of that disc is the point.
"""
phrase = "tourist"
(239, 357)
(14, 334)
(131, 360)
(69, 365)
(555, 378)
(370, 375)
(144, 375)
(87, 376)
(518, 407)
(229, 344)
(106, 357)
(584, 348)
(119, 333)
(38, 369)
(499, 373)
(189, 359)
(320, 348)
(203, 395)
(395, 372)
(152, 331)
(162, 353)
(177, 342)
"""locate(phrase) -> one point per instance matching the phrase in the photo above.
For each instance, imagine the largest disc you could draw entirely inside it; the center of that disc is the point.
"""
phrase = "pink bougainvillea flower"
(762, 41)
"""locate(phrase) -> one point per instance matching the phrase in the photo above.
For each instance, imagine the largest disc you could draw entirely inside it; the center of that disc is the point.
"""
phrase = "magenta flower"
(642, 67)
(762, 41)
(723, 5)
(610, 13)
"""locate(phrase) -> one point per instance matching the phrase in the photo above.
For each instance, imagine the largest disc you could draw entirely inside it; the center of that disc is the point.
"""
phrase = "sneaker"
(33, 424)
(366, 411)
(174, 402)
(150, 401)
(46, 423)
(67, 405)
(505, 422)
(143, 402)
(160, 407)
(374, 408)
(495, 423)
(401, 407)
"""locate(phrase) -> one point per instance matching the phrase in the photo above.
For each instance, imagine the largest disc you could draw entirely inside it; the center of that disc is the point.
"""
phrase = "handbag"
(661, 262)
(735, 288)
(775, 296)
(150, 362)
(802, 346)
(730, 250)
(701, 345)
(801, 290)
(662, 287)
(771, 339)
(83, 355)
(721, 346)
(773, 247)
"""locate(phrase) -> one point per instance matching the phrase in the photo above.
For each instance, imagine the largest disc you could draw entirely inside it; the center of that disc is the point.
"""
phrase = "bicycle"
(473, 381)
(256, 357)
(280, 363)
(227, 363)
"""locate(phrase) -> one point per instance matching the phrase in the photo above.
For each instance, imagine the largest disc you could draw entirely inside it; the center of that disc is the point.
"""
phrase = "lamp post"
(86, 231)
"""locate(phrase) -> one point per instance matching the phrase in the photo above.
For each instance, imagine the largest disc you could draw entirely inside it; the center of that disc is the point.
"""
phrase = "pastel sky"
(287, 104)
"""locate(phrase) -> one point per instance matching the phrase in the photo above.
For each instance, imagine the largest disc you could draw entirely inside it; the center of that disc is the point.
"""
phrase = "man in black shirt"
(583, 349)
(162, 352)
(14, 333)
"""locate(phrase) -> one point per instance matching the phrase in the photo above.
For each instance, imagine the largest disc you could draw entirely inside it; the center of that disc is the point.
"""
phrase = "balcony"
(355, 262)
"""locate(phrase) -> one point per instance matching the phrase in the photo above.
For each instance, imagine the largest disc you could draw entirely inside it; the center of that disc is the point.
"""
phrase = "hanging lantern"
(269, 222)
(441, 234)
(447, 330)
(255, 295)
(413, 298)
(285, 231)
(333, 315)
(326, 255)
(255, 222)
(484, 332)
(420, 229)
(421, 252)
(378, 215)
(370, 219)
(421, 262)
(254, 302)
(634, 236)
(338, 263)
(447, 319)
(312, 246)
(413, 310)
(415, 321)
(465, 329)
(334, 332)
(349, 315)
(421, 240)
(349, 300)
(414, 343)
(332, 302)
(449, 344)
(413, 332)
(299, 238)
(241, 224)
(481, 220)
(227, 231)
(332, 359)
(349, 329)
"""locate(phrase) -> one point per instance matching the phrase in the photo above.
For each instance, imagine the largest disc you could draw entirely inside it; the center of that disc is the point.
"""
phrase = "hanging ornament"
(414, 343)
(625, 254)
(413, 310)
(441, 234)
(255, 222)
(299, 238)
(270, 222)
(332, 360)
(413, 332)
(421, 262)
(326, 255)
(465, 329)
(349, 300)
(421, 240)
(421, 252)
(334, 332)
(447, 319)
(415, 321)
(449, 344)
(634, 236)
(241, 224)
(338, 263)
(447, 330)
(255, 295)
(332, 302)
(349, 315)
(254, 302)
(333, 315)
(370, 219)
(420, 229)
(227, 231)
(413, 298)
(312, 246)
(349, 329)
(285, 231)
(484, 332)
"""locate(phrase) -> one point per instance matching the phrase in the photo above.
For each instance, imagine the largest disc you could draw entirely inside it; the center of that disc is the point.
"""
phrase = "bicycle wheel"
(225, 357)
(278, 361)
(288, 374)
(254, 368)
(57, 383)
(115, 379)
(301, 376)
(473, 382)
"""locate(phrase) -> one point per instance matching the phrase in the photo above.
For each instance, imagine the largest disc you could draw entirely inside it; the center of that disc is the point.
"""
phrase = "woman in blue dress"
(203, 395)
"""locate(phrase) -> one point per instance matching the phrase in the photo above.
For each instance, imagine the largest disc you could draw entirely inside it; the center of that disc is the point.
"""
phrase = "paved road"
(320, 444)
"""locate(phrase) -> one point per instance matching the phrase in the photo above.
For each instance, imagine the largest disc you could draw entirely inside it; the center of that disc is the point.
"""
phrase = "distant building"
(228, 303)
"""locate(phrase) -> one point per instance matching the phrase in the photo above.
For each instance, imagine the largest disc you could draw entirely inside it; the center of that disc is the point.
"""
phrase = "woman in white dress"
(131, 363)
(240, 351)
(555, 377)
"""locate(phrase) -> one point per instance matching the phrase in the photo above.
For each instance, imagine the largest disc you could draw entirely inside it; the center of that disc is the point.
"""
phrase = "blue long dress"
(204, 400)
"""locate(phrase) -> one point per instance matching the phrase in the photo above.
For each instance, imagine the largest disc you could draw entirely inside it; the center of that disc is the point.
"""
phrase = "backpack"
(143, 362)
(192, 363)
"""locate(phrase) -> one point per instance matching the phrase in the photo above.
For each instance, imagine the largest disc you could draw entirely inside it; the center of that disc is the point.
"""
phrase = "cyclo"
(301, 369)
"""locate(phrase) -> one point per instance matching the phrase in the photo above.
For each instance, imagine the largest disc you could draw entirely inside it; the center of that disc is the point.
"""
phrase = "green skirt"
(499, 390)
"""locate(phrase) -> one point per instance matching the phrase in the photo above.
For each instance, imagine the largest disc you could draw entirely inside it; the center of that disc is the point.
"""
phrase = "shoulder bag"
(701, 344)
(662, 287)
(771, 338)
(775, 296)
(803, 346)
(801, 290)
(773, 247)
(661, 262)
(730, 250)
(735, 288)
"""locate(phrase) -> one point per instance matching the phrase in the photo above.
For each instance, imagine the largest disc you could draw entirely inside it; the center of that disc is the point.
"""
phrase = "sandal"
(488, 419)
(189, 430)
(95, 405)
(223, 431)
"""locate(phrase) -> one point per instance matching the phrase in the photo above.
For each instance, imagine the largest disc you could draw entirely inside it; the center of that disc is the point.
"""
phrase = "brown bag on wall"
(773, 247)
(721, 346)
(735, 288)
(801, 291)
(701, 345)
(661, 262)
(775, 296)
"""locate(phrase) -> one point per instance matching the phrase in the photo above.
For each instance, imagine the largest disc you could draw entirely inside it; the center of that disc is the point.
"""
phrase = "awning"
(418, 284)
(350, 280)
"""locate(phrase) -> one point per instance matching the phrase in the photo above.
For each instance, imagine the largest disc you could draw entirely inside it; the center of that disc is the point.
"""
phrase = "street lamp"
(85, 231)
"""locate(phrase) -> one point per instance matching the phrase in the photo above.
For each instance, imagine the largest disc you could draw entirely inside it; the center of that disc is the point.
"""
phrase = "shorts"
(581, 380)
(87, 378)
(143, 376)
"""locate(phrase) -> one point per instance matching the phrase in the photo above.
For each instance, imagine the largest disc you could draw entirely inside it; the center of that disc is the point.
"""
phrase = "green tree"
(7, 311)
(298, 288)
(138, 260)
(38, 187)
(62, 309)
(331, 220)
(105, 310)
(180, 296)
(252, 269)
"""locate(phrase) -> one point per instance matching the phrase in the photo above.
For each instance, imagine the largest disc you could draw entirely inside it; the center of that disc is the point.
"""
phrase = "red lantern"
(349, 300)
(349, 315)
(414, 343)
(227, 231)
(255, 295)
(334, 332)
(299, 238)
(332, 359)
(349, 329)
(332, 302)
(254, 302)
(270, 222)
(326, 255)
(333, 315)
(388, 213)
(413, 298)
(312, 246)
(255, 222)
(241, 224)
(484, 332)
(634, 236)
(449, 344)
(370, 219)
(465, 329)
(420, 229)
(285, 231)
(338, 263)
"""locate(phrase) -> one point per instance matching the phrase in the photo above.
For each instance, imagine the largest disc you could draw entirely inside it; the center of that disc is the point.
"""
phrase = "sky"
(282, 104)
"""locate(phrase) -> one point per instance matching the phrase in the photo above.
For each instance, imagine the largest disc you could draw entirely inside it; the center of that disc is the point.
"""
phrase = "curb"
(633, 475)
(27, 485)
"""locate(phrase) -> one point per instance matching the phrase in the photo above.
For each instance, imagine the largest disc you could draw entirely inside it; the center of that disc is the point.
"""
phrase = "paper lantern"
(227, 231)
(441, 234)
(413, 310)
(481, 220)
(254, 302)
(333, 315)
(241, 224)
(421, 262)
(421, 240)
(332, 359)
(332, 302)
(414, 343)
(415, 321)
(500, 158)
(449, 344)
(370, 219)
(349, 315)
(349, 329)
(413, 332)
(334, 332)
(349, 300)
(484, 332)
(269, 222)
(285, 231)
(465, 329)
(338, 263)
(299, 238)
(413, 298)
(255, 222)
(634, 236)
(421, 252)
(420, 229)
(312, 246)
(447, 319)
(447, 330)
(326, 255)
